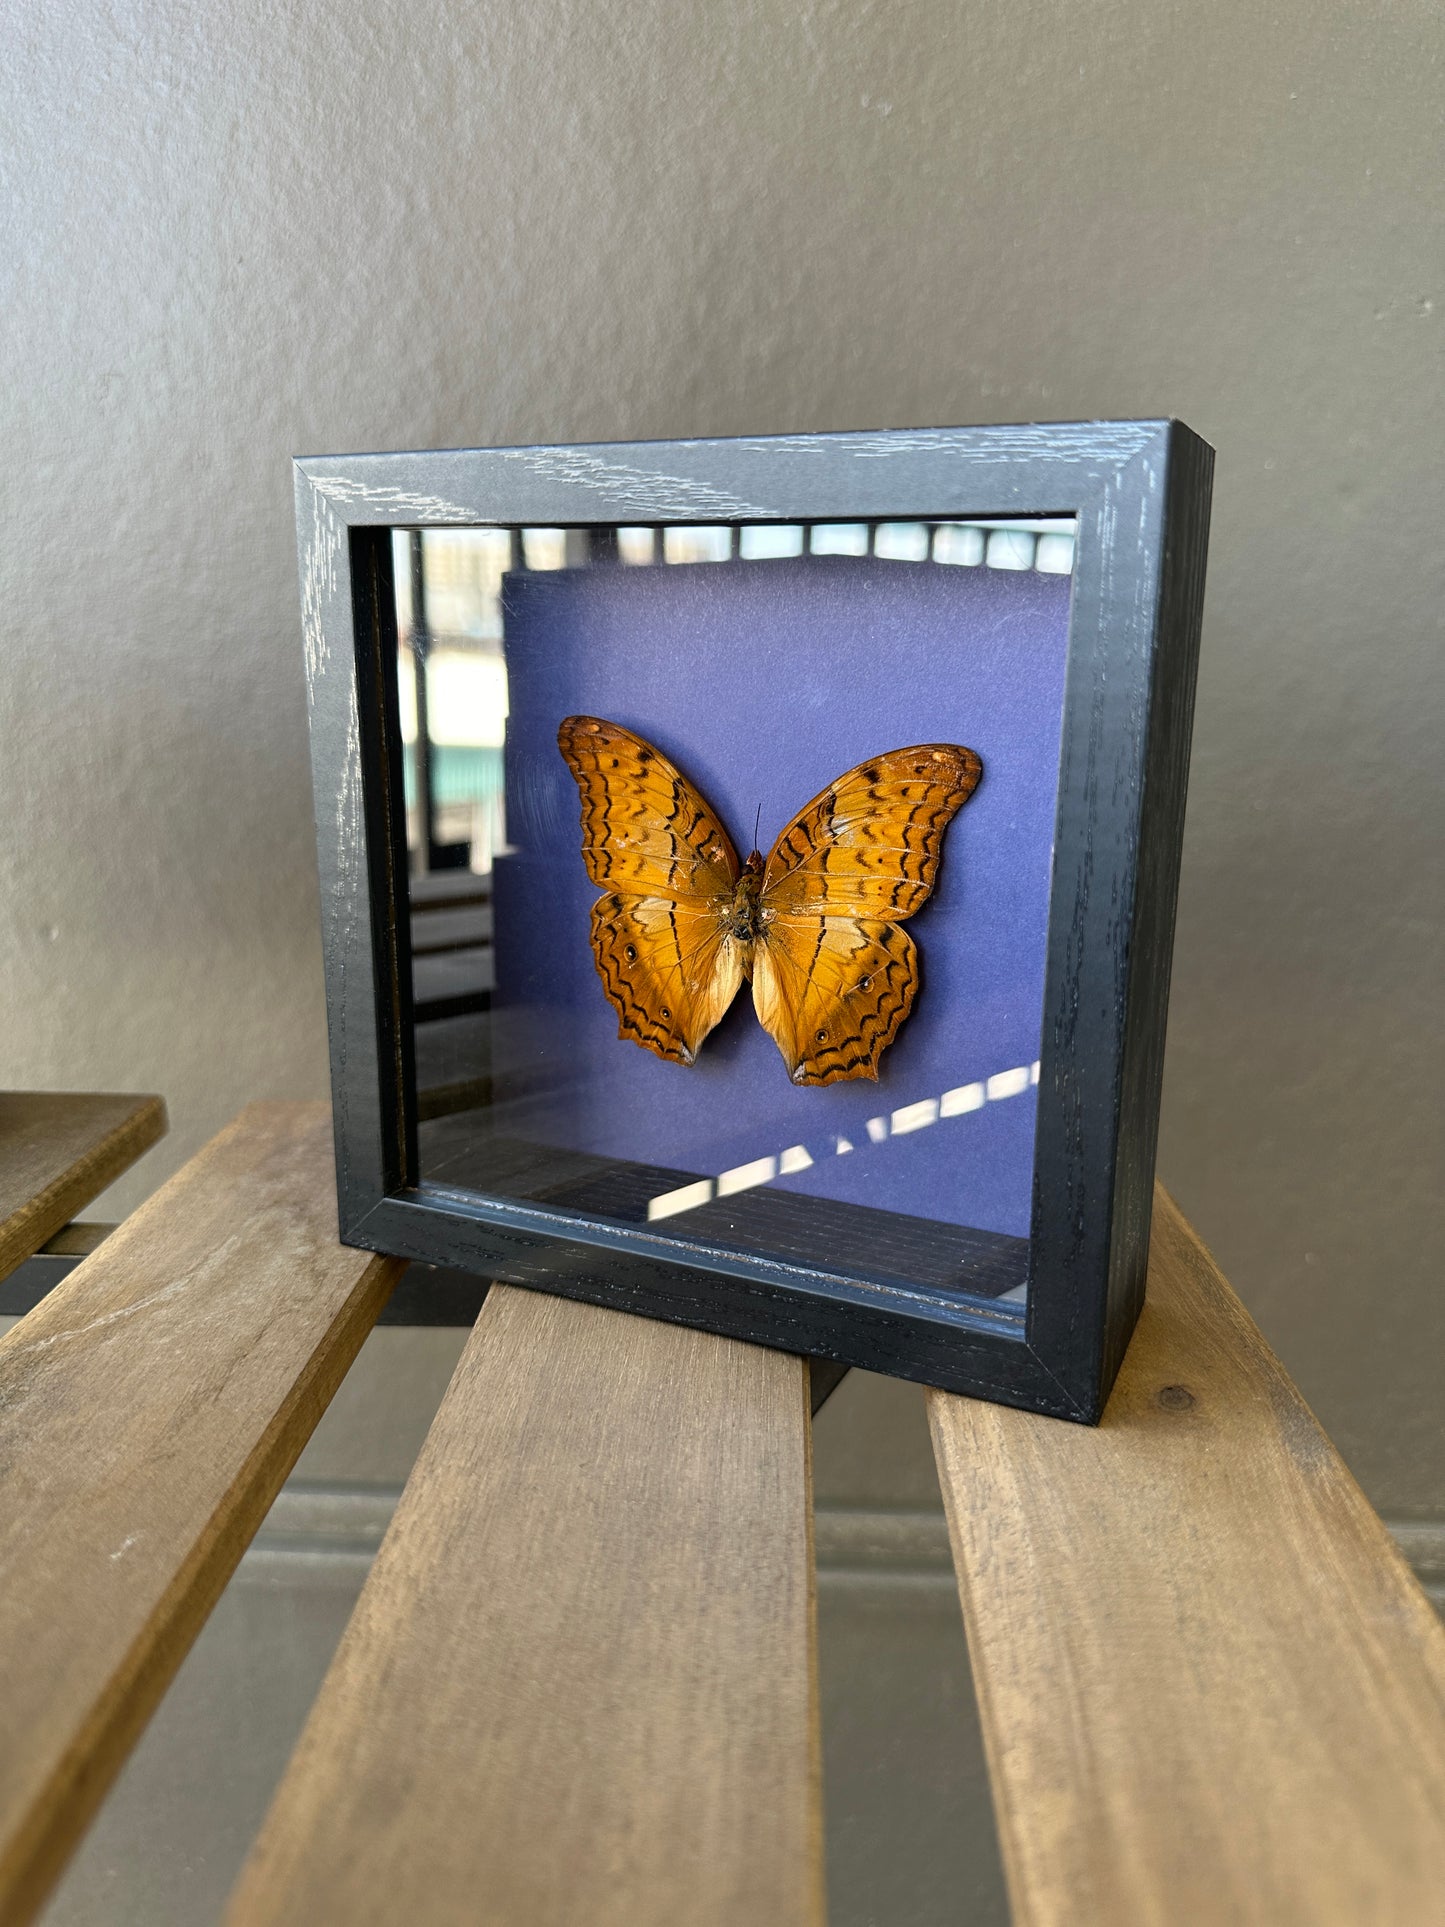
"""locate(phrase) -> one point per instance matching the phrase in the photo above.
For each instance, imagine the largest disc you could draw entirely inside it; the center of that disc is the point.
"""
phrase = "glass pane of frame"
(762, 664)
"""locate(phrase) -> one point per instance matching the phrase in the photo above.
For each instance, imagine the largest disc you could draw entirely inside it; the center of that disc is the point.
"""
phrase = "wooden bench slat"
(60, 1149)
(1211, 1689)
(579, 1684)
(150, 1408)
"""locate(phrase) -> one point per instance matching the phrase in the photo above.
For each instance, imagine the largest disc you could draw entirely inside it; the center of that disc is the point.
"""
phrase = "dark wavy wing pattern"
(870, 844)
(833, 975)
(668, 968)
(832, 992)
(645, 828)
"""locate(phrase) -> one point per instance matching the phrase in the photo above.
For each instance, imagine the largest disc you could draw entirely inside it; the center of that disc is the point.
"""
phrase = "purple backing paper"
(764, 681)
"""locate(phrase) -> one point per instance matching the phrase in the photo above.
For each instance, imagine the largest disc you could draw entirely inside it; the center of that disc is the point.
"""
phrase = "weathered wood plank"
(1211, 1690)
(60, 1149)
(150, 1408)
(579, 1684)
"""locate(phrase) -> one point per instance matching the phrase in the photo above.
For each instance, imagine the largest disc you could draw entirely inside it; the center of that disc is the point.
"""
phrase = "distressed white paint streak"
(389, 504)
(797, 1157)
(650, 494)
(121, 1313)
(915, 1117)
(1012, 441)
(318, 585)
(1008, 1083)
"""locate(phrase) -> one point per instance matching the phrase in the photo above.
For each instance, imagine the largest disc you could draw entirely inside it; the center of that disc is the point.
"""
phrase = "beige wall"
(238, 233)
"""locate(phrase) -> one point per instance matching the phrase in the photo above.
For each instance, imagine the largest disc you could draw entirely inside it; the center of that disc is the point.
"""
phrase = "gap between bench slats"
(579, 1684)
(150, 1409)
(1211, 1689)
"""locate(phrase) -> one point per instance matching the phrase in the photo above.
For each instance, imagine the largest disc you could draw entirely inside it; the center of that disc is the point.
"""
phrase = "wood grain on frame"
(150, 1408)
(1211, 1689)
(60, 1149)
(579, 1683)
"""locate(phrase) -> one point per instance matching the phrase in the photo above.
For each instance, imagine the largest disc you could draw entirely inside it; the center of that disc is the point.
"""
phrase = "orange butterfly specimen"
(818, 927)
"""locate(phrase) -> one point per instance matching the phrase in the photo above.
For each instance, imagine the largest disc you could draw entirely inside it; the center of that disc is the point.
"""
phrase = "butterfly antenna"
(757, 821)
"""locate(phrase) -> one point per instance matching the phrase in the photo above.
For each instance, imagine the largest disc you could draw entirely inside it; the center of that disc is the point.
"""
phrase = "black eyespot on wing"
(631, 953)
(822, 1037)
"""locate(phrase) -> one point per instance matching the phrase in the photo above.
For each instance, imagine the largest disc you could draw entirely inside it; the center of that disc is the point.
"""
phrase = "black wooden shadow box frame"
(1139, 493)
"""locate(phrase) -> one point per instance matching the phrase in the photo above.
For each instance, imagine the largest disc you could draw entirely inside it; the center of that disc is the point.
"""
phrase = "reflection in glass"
(1011, 549)
(766, 540)
(901, 541)
(691, 542)
(638, 546)
(523, 1089)
(838, 538)
(1055, 553)
(544, 548)
(452, 693)
(959, 543)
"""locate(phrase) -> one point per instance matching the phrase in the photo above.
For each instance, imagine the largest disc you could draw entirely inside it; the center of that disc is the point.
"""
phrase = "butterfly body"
(816, 927)
(743, 916)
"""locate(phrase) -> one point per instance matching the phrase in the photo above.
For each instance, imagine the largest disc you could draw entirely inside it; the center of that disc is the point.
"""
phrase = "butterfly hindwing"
(669, 969)
(832, 992)
(834, 976)
(659, 935)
